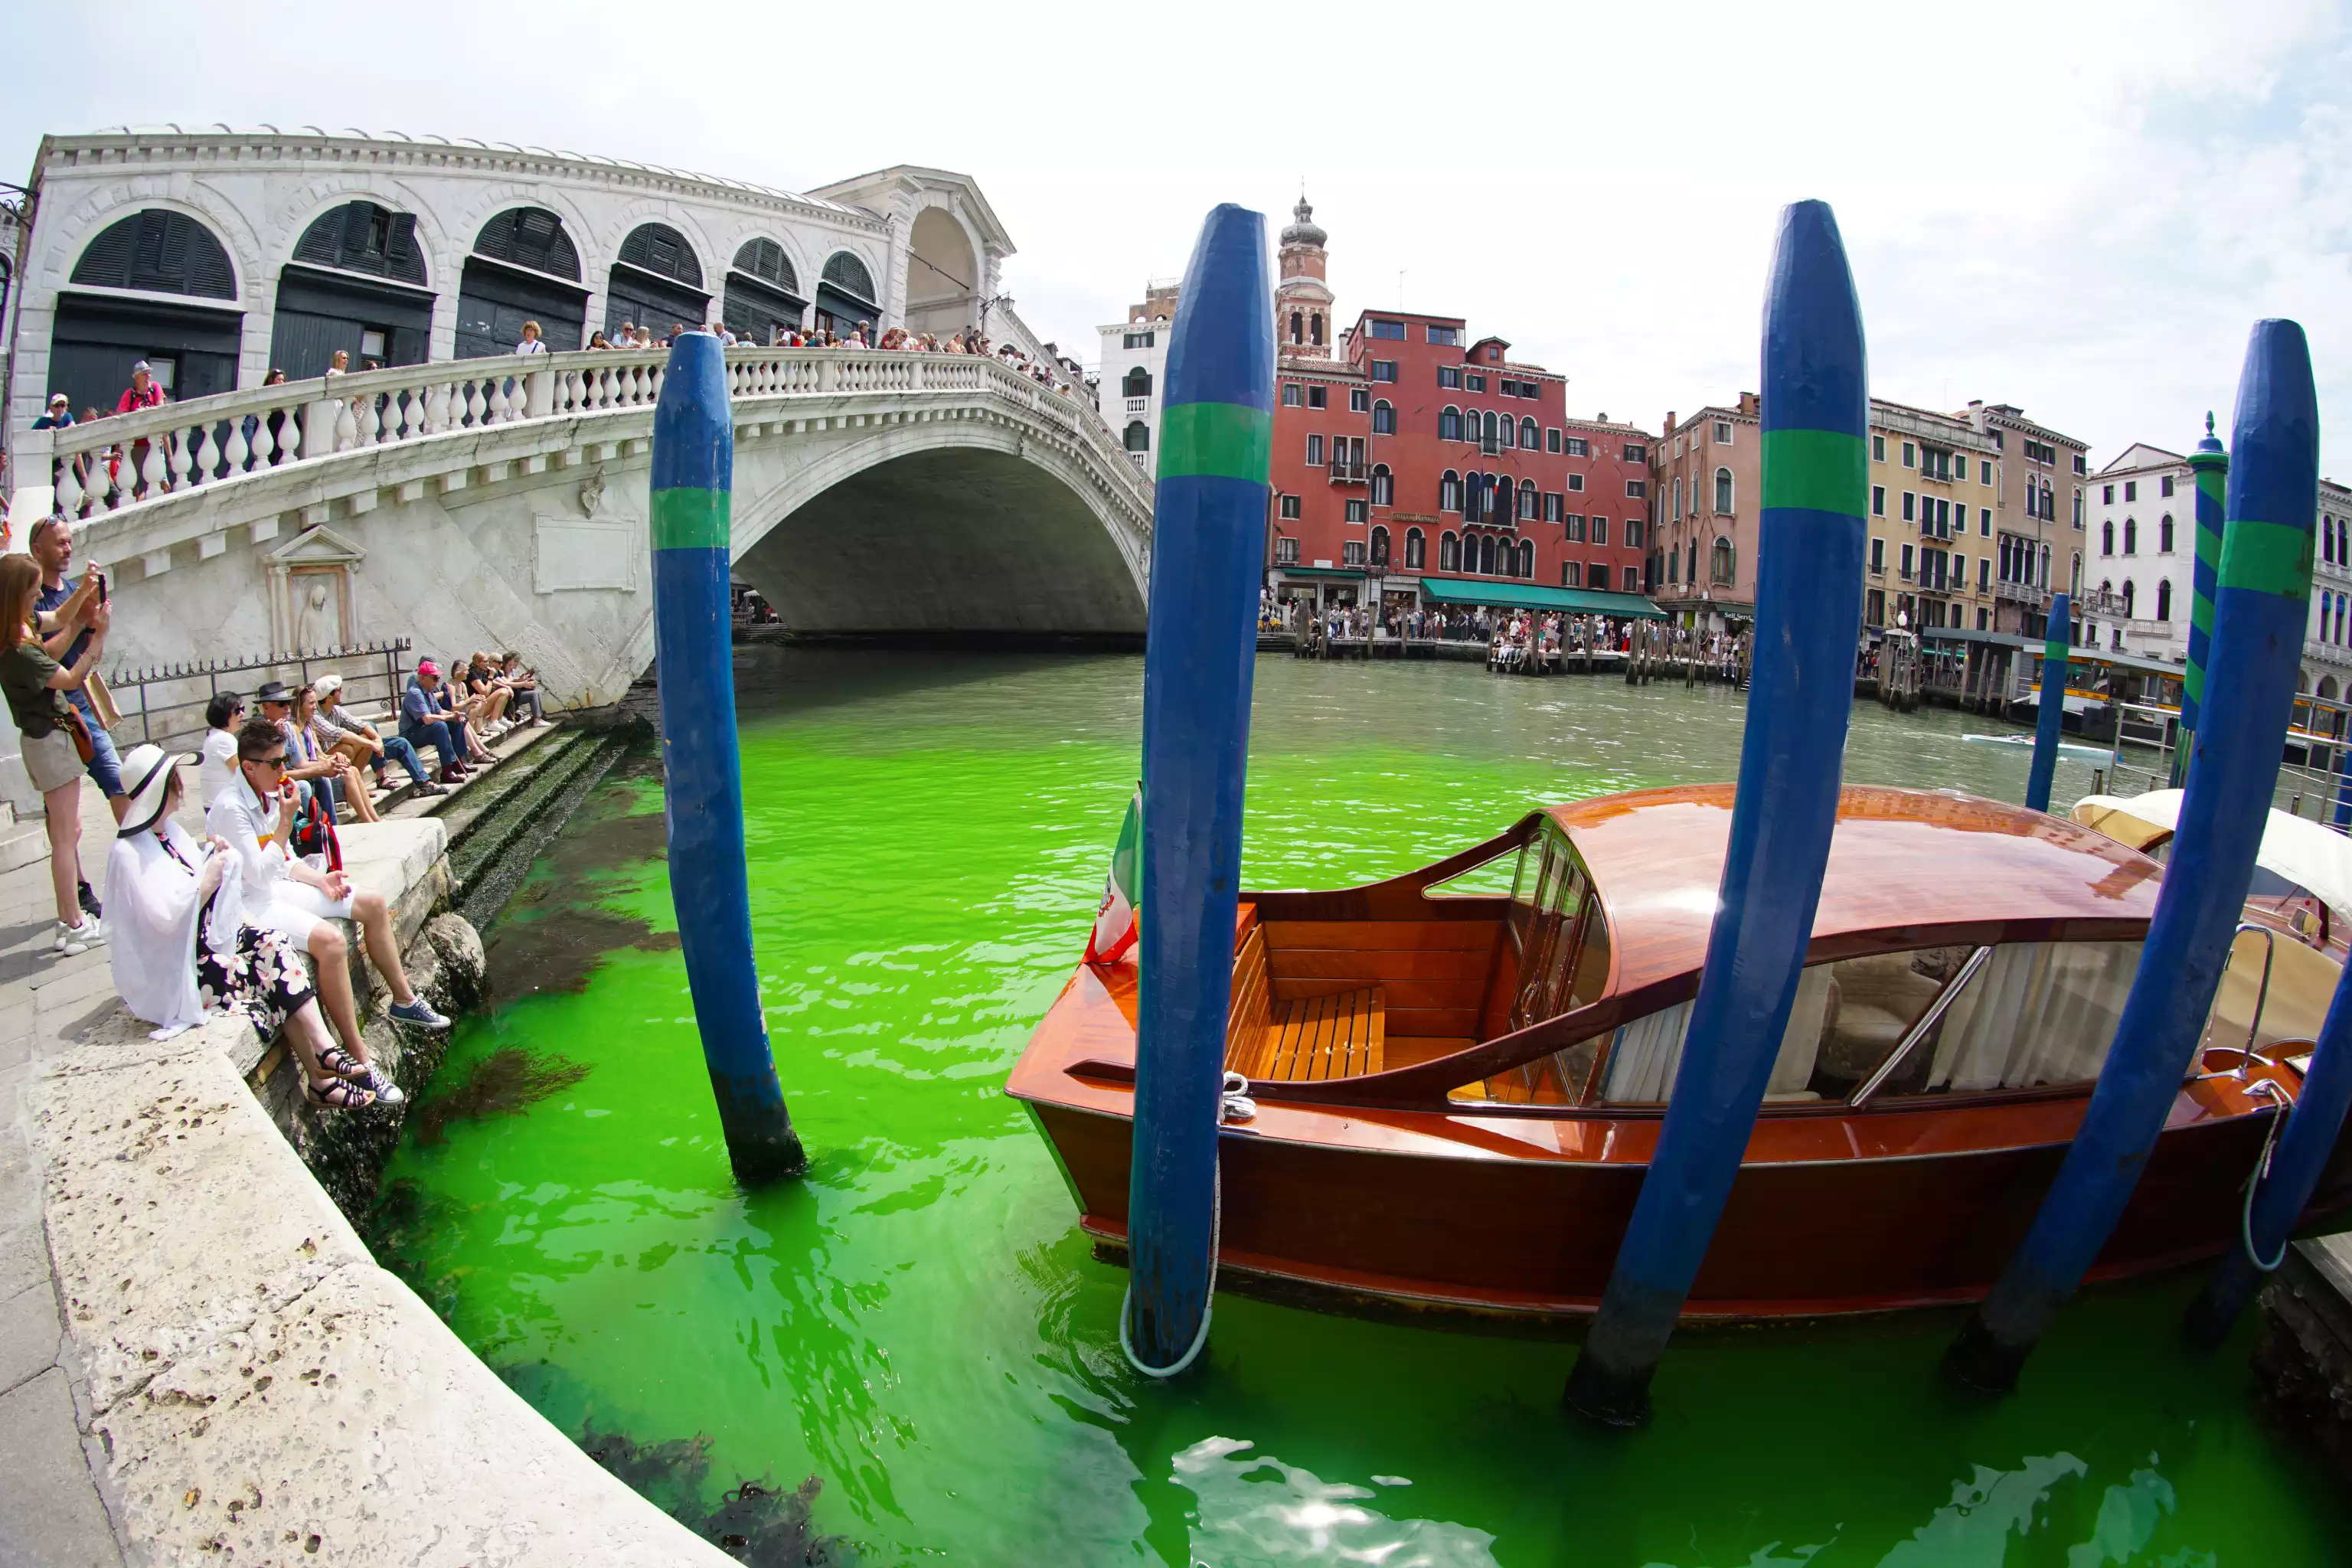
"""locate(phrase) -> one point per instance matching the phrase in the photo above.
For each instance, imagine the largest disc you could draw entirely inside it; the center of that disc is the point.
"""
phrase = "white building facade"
(2327, 639)
(1134, 356)
(218, 255)
(2140, 554)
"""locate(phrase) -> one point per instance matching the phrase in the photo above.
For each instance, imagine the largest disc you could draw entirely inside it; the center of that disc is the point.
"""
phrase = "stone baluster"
(502, 408)
(236, 450)
(368, 424)
(347, 425)
(69, 490)
(477, 409)
(152, 473)
(436, 408)
(188, 462)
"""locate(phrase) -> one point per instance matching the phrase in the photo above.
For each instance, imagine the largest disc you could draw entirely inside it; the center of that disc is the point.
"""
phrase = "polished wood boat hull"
(1799, 1238)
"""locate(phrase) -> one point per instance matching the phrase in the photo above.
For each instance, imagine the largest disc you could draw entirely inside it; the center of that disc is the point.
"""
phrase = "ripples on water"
(921, 1325)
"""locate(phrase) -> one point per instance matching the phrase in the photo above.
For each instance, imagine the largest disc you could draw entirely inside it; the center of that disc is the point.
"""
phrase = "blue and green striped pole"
(2057, 646)
(694, 663)
(2210, 464)
(1216, 438)
(1800, 690)
(2258, 606)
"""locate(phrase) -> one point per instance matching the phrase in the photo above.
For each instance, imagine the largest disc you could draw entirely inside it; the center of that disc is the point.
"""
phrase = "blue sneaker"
(420, 1013)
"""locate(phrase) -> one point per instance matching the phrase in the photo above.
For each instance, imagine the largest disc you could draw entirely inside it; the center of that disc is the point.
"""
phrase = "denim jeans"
(435, 735)
(397, 749)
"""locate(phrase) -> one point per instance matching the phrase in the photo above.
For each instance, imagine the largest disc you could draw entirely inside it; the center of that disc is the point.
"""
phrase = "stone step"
(483, 829)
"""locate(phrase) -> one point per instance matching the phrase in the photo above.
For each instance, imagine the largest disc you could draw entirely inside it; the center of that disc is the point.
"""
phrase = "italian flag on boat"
(1114, 930)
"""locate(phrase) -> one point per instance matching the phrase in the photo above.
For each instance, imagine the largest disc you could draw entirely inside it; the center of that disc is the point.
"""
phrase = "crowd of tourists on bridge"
(897, 340)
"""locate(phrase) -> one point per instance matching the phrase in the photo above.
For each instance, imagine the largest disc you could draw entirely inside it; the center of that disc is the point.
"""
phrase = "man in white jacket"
(284, 892)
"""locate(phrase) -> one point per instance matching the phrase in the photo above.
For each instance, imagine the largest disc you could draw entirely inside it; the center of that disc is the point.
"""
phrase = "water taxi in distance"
(1458, 1095)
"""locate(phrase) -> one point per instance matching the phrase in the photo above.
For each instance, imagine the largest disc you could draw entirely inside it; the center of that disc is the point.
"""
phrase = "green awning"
(1509, 595)
(1350, 573)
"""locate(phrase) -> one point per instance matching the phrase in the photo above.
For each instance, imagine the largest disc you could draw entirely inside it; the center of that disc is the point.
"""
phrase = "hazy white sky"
(2076, 208)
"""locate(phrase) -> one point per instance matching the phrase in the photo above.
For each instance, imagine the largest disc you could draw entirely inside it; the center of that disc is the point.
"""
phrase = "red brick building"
(1417, 455)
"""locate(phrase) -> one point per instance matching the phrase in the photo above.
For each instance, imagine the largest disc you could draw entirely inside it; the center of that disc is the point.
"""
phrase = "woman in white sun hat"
(181, 946)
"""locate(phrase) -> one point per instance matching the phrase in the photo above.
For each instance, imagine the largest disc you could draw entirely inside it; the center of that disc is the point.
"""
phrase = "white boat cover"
(2294, 847)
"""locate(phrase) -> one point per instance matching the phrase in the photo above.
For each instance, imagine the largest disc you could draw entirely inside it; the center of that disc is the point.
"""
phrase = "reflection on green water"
(922, 1325)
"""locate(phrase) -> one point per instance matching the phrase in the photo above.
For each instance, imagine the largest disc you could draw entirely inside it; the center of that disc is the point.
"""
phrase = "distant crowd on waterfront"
(1514, 639)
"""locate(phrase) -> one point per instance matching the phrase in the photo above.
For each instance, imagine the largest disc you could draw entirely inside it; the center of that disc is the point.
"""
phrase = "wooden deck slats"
(1323, 1038)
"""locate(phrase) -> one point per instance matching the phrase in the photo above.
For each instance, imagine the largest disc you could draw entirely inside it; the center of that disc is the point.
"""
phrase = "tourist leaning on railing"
(35, 685)
(181, 946)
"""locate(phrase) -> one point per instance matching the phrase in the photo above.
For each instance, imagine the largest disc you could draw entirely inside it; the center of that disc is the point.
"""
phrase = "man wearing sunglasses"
(286, 893)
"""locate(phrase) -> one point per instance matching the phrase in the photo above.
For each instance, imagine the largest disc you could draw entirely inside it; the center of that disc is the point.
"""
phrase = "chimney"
(1750, 404)
(1670, 422)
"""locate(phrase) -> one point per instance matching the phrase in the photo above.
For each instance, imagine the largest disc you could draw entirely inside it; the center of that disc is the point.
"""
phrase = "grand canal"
(921, 1324)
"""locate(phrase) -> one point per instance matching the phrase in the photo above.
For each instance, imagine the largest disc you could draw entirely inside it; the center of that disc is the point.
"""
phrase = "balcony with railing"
(1349, 471)
(2030, 596)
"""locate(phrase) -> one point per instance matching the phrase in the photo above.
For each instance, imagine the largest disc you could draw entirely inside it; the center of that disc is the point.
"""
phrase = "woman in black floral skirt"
(182, 948)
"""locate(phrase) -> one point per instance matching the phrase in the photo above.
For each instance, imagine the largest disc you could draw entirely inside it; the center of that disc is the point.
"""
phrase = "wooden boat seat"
(1335, 1036)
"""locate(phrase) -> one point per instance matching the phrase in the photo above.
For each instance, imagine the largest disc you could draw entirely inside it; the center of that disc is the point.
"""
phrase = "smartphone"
(101, 587)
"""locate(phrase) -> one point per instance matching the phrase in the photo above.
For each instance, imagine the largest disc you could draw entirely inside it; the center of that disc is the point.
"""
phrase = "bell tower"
(1302, 317)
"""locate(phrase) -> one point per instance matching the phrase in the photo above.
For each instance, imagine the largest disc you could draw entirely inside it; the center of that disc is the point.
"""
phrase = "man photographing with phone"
(65, 609)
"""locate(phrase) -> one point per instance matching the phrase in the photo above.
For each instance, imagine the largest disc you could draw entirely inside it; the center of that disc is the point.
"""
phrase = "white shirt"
(218, 767)
(153, 907)
(251, 828)
(531, 346)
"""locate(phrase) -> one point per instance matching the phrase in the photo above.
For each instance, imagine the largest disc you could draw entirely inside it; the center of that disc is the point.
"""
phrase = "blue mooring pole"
(2211, 464)
(2293, 1174)
(2057, 644)
(2259, 609)
(1800, 690)
(690, 513)
(1208, 533)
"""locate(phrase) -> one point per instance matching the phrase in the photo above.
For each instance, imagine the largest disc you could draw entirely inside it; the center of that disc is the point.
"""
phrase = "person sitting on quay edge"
(361, 741)
(345, 785)
(423, 722)
(524, 684)
(34, 686)
(288, 895)
(216, 761)
(183, 948)
(464, 712)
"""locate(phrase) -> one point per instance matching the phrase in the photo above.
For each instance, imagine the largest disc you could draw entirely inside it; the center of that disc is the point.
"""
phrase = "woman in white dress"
(182, 948)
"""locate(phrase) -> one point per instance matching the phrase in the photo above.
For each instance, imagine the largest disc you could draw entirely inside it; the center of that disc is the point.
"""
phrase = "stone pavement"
(50, 1513)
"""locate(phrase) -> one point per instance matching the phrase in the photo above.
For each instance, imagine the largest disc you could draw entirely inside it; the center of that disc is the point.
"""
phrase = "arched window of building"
(192, 348)
(1379, 546)
(2328, 539)
(2164, 600)
(2049, 503)
(2075, 577)
(1474, 497)
(2129, 595)
(1298, 326)
(1507, 432)
(1677, 514)
(1416, 550)
(2078, 506)
(1691, 576)
(1383, 486)
(2131, 536)
(1486, 555)
(1528, 503)
(2339, 618)
(1449, 491)
(1315, 329)
(1527, 436)
(1449, 552)
(1723, 491)
(1489, 427)
(1383, 418)
(1449, 424)
(1723, 561)
(2044, 581)
(1527, 557)
(2163, 537)
(1139, 437)
(2326, 692)
(1135, 383)
(2107, 538)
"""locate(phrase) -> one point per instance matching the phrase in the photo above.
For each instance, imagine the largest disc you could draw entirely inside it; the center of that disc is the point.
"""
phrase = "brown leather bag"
(84, 747)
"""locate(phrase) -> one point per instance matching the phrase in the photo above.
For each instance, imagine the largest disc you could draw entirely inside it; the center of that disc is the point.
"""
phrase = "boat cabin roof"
(1907, 867)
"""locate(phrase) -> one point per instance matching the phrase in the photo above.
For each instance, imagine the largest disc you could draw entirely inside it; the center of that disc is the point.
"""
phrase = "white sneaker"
(81, 938)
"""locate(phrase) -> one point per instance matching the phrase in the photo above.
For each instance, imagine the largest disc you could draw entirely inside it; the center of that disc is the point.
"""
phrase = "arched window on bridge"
(1297, 326)
(1723, 497)
(1416, 550)
(1135, 383)
(763, 294)
(1139, 437)
(1449, 491)
(1528, 502)
(2163, 537)
(356, 282)
(1383, 418)
(1527, 436)
(536, 279)
(845, 294)
(2131, 536)
(2164, 600)
(657, 278)
(1449, 552)
(1383, 486)
(1379, 546)
(1723, 561)
(191, 346)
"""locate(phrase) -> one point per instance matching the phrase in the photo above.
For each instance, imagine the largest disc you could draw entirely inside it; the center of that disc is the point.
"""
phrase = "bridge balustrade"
(103, 467)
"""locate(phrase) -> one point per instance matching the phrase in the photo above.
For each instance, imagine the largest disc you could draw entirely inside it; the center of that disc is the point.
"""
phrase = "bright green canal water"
(922, 1325)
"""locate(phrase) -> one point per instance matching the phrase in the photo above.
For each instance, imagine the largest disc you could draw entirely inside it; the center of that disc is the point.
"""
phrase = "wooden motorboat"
(1457, 1094)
